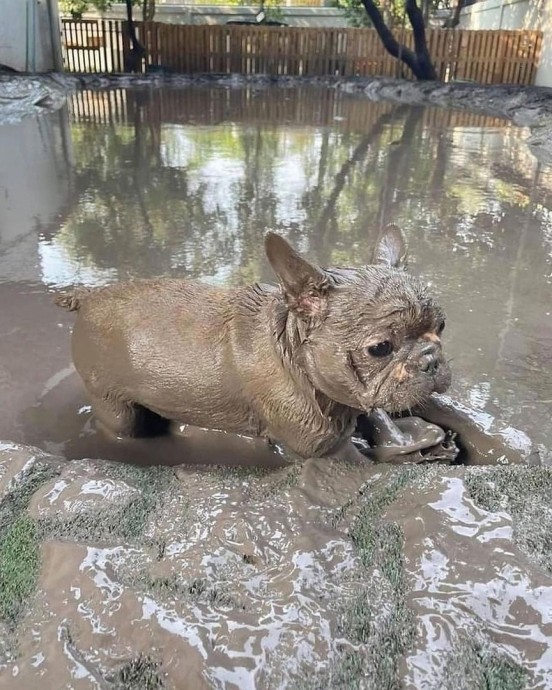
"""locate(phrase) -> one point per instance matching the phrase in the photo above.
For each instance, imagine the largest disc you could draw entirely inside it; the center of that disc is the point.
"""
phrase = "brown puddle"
(295, 576)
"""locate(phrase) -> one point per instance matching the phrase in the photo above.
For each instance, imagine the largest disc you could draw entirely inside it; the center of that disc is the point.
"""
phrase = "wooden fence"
(92, 45)
(487, 57)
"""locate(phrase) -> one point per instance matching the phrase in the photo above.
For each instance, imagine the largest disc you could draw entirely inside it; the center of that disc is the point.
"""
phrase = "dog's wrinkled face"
(379, 344)
(371, 337)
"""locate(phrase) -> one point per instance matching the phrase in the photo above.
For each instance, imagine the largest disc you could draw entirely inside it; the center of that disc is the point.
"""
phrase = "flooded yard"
(139, 183)
(290, 575)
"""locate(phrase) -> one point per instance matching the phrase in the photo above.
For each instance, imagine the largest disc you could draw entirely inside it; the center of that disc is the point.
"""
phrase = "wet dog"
(296, 363)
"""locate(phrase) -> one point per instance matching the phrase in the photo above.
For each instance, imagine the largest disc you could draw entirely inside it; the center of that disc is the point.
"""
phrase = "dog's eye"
(383, 349)
(440, 326)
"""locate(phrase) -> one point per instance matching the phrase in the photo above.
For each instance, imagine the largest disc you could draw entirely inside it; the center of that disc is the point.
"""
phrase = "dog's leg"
(484, 439)
(349, 453)
(124, 418)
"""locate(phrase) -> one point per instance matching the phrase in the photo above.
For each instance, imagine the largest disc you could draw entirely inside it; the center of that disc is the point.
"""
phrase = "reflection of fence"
(488, 57)
(214, 106)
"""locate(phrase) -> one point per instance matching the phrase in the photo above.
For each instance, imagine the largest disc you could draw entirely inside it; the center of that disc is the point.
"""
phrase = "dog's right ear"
(390, 248)
(304, 284)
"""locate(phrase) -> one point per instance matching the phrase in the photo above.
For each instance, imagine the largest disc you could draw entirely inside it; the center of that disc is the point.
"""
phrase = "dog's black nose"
(429, 365)
(429, 360)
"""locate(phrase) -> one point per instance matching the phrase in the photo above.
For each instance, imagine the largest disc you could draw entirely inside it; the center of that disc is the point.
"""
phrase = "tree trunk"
(148, 10)
(416, 18)
(133, 62)
(453, 21)
(419, 59)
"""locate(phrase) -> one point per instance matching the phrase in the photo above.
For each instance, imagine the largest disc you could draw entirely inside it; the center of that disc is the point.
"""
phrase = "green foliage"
(273, 10)
(393, 11)
(76, 8)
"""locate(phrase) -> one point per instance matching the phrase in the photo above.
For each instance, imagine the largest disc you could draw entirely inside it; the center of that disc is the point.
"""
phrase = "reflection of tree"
(328, 217)
(147, 203)
(396, 166)
(134, 213)
(517, 267)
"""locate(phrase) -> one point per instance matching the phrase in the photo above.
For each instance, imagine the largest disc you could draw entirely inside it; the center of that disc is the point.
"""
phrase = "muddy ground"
(316, 575)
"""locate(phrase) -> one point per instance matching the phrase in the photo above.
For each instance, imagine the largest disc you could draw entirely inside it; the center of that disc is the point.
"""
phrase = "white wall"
(29, 35)
(219, 14)
(516, 14)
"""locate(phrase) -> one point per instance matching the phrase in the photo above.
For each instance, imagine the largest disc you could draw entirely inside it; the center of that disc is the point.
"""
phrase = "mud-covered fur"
(295, 363)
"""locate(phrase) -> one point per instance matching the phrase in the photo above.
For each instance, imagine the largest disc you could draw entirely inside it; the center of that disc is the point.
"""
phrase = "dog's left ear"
(305, 285)
(390, 248)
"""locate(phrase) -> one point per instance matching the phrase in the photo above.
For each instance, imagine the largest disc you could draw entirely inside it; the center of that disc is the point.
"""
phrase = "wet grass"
(19, 545)
(17, 499)
(378, 625)
(19, 566)
(261, 482)
(199, 590)
(474, 665)
(378, 621)
(116, 524)
(143, 673)
(524, 492)
(140, 673)
(365, 533)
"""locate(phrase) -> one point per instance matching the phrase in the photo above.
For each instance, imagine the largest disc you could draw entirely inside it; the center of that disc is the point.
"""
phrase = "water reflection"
(186, 182)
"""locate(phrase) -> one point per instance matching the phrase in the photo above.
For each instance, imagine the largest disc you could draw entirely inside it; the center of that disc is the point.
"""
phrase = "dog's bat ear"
(304, 284)
(390, 248)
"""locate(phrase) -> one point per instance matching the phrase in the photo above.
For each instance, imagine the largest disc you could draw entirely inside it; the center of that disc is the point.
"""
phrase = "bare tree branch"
(453, 21)
(133, 61)
(416, 19)
(418, 60)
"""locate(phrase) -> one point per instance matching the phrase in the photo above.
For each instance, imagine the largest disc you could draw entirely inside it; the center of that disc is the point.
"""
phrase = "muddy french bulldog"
(296, 363)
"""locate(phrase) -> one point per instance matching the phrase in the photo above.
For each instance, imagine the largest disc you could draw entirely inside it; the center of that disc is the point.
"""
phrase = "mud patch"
(24, 96)
(318, 575)
(525, 494)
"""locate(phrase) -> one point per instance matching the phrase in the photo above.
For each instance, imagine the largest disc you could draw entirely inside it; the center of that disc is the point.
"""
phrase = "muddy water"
(289, 579)
(185, 183)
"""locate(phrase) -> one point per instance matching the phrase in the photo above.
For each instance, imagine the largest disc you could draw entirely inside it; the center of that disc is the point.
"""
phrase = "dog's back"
(149, 341)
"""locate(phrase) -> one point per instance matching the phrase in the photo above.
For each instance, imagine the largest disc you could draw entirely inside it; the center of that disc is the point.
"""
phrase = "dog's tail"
(72, 301)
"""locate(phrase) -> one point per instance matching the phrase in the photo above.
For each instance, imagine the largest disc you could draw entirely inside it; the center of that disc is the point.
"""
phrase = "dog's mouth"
(442, 380)
(402, 389)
